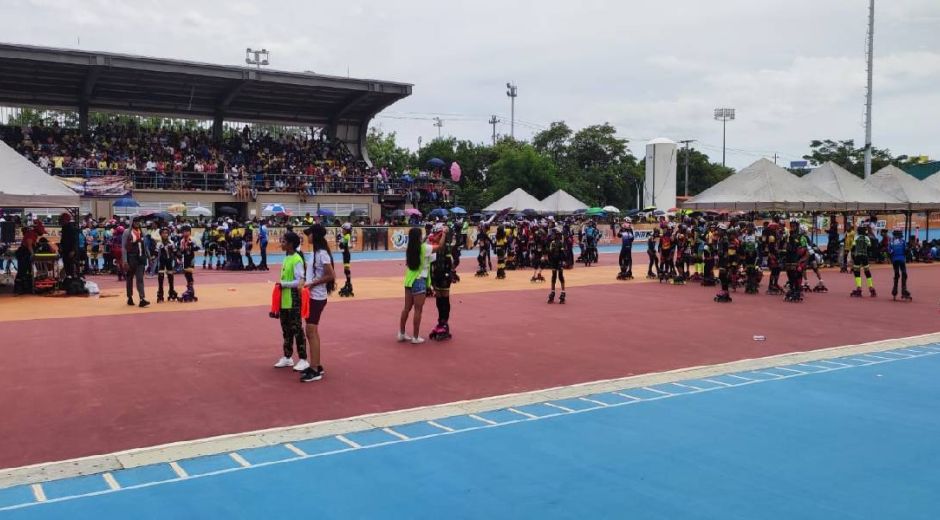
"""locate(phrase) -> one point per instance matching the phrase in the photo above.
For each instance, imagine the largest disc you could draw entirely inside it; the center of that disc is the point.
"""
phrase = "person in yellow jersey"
(293, 276)
(847, 248)
(344, 242)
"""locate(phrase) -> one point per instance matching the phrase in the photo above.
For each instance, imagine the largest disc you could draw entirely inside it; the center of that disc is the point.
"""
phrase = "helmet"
(436, 229)
(722, 227)
(347, 226)
(185, 227)
(898, 233)
(627, 220)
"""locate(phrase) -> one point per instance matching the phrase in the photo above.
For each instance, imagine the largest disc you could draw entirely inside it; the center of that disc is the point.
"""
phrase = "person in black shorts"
(320, 280)
(441, 280)
(556, 262)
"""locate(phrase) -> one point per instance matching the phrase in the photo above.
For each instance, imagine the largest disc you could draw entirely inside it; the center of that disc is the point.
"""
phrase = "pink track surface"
(186, 375)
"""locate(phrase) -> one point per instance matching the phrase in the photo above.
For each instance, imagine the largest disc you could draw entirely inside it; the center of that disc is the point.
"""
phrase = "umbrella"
(595, 211)
(457, 210)
(611, 209)
(161, 215)
(437, 163)
(398, 213)
(579, 211)
(659, 213)
(529, 212)
(455, 172)
(649, 208)
(177, 208)
(275, 208)
(357, 213)
(126, 202)
(412, 211)
(475, 217)
(438, 212)
(227, 210)
(407, 178)
(632, 212)
(200, 211)
(324, 212)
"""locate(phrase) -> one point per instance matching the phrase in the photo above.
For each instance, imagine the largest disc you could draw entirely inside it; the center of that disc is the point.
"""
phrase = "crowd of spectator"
(243, 163)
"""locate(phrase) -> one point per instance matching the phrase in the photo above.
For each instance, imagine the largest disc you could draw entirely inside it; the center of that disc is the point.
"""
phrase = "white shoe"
(284, 362)
(403, 337)
(417, 341)
(301, 365)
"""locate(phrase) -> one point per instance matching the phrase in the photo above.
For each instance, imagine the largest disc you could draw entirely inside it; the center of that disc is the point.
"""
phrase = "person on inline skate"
(652, 241)
(501, 243)
(860, 252)
(483, 241)
(751, 267)
(898, 249)
(626, 250)
(344, 242)
(187, 251)
(441, 280)
(556, 262)
(166, 264)
(796, 255)
(591, 237)
(723, 252)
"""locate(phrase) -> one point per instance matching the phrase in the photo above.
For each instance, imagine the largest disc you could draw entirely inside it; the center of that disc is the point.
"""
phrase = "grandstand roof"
(64, 78)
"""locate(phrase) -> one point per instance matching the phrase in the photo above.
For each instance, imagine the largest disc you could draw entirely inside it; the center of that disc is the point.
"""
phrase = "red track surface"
(75, 387)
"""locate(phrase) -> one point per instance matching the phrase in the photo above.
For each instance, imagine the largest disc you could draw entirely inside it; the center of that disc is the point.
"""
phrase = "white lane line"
(401, 436)
(295, 449)
(481, 419)
(690, 387)
(771, 374)
(657, 391)
(39, 493)
(109, 478)
(559, 407)
(180, 472)
(740, 377)
(351, 444)
(790, 370)
(833, 363)
(896, 353)
(239, 459)
(719, 383)
(592, 401)
(879, 357)
(864, 362)
(628, 396)
(817, 367)
(441, 426)
(524, 414)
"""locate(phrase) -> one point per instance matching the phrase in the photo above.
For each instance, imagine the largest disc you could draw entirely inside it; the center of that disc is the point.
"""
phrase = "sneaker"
(130, 301)
(311, 375)
(144, 303)
(284, 362)
(301, 365)
(403, 337)
(417, 341)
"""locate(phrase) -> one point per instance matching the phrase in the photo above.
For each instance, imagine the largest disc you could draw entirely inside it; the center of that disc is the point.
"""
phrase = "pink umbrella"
(412, 211)
(455, 171)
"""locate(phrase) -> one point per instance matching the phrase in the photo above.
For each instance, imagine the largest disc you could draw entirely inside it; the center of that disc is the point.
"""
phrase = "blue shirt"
(263, 234)
(898, 250)
(626, 238)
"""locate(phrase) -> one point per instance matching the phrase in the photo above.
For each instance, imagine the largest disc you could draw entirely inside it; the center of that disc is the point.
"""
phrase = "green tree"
(554, 141)
(384, 151)
(703, 173)
(521, 167)
(845, 154)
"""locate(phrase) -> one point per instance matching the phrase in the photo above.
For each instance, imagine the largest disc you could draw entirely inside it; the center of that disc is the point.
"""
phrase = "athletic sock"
(858, 282)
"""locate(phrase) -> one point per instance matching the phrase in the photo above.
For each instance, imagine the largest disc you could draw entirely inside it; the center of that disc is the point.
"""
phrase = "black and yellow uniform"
(166, 266)
(860, 252)
(344, 242)
(501, 244)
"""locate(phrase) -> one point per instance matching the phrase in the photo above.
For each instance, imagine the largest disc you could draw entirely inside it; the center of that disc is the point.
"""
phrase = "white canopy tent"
(848, 192)
(517, 200)
(915, 194)
(561, 202)
(25, 185)
(933, 181)
(761, 186)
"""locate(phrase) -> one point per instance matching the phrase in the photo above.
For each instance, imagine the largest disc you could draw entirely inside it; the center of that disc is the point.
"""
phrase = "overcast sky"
(793, 69)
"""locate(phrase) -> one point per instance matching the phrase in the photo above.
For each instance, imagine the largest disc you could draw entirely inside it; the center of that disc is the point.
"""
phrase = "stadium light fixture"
(256, 57)
(724, 115)
(512, 92)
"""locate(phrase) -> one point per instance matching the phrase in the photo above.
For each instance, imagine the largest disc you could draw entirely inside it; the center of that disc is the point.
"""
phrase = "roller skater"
(344, 242)
(771, 244)
(666, 255)
(796, 254)
(848, 246)
(501, 243)
(556, 261)
(860, 251)
(709, 247)
(752, 274)
(651, 245)
(538, 249)
(441, 279)
(626, 250)
(591, 236)
(898, 250)
(187, 250)
(166, 264)
(723, 250)
(815, 259)
(483, 241)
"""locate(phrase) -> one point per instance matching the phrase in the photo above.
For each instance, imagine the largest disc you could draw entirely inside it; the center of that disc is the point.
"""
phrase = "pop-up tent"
(561, 202)
(915, 194)
(517, 200)
(848, 192)
(761, 186)
(25, 185)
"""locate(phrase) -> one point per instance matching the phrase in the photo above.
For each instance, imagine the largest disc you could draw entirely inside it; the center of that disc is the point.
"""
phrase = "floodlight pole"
(871, 51)
(438, 122)
(493, 121)
(687, 142)
(511, 91)
(724, 115)
(256, 57)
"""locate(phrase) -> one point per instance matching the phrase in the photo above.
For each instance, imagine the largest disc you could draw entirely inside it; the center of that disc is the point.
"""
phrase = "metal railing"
(265, 183)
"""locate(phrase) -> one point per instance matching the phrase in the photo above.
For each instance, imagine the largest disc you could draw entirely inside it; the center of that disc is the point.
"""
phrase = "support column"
(83, 117)
(217, 128)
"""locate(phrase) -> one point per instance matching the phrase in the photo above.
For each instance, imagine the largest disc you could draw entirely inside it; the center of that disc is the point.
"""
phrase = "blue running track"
(851, 438)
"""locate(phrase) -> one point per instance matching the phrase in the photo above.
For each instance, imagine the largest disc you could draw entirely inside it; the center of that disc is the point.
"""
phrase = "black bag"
(75, 287)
